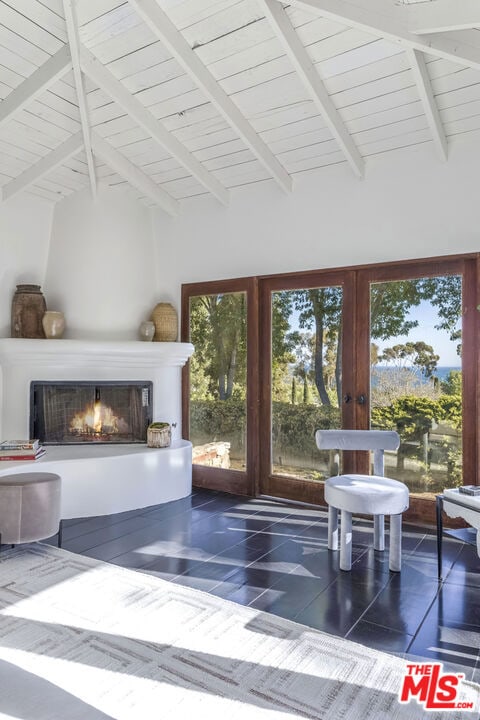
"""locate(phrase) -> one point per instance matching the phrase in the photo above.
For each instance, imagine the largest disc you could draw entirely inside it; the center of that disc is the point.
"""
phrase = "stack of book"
(21, 450)
(469, 489)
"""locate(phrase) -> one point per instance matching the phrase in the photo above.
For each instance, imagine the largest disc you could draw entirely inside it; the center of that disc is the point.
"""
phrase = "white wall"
(409, 205)
(25, 225)
(100, 269)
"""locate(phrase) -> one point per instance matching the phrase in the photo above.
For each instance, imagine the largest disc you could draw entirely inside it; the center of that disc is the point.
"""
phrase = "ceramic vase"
(53, 323)
(146, 331)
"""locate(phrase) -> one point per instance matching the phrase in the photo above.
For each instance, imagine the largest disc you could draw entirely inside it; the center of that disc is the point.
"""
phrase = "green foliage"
(390, 303)
(212, 420)
(306, 391)
(293, 427)
(445, 294)
(452, 385)
(218, 332)
(412, 416)
(321, 309)
(451, 410)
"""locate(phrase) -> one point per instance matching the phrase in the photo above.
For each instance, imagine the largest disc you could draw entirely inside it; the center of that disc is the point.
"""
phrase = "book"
(20, 451)
(469, 489)
(8, 457)
(19, 444)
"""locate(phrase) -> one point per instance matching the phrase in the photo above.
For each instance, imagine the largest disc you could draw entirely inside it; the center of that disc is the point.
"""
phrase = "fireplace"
(74, 413)
(100, 478)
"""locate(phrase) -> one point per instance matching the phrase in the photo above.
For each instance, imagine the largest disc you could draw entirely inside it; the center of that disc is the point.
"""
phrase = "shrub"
(412, 416)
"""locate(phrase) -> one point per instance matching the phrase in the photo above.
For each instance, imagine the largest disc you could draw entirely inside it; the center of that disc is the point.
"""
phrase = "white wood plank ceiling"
(177, 98)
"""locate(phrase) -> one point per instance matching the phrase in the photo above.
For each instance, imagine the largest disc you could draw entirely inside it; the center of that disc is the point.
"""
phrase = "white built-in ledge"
(108, 479)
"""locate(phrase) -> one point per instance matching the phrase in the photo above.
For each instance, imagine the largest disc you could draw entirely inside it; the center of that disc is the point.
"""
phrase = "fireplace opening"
(74, 413)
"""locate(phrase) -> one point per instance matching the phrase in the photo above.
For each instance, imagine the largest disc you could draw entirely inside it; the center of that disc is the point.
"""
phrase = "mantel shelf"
(98, 353)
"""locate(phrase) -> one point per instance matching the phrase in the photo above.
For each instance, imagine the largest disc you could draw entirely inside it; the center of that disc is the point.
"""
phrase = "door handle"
(362, 399)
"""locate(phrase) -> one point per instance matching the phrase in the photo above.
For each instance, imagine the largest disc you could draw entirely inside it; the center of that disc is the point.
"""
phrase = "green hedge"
(294, 425)
(412, 416)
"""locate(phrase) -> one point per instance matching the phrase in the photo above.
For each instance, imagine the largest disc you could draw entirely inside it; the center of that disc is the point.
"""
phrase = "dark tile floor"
(273, 556)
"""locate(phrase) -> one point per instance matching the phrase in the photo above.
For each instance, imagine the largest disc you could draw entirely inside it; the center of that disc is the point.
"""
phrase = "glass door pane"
(416, 378)
(218, 379)
(306, 378)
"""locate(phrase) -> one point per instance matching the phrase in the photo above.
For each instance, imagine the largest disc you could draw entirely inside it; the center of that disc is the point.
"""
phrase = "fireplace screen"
(64, 413)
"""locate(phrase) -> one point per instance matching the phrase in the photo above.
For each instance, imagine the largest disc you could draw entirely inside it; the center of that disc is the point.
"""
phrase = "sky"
(427, 318)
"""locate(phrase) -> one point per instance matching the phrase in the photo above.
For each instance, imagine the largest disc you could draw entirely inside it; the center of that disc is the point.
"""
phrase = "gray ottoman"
(29, 507)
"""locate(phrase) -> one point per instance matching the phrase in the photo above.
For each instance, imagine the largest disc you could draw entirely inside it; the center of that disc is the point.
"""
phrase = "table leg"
(439, 507)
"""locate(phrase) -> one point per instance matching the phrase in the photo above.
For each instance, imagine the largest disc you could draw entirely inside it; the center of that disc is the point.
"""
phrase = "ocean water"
(441, 371)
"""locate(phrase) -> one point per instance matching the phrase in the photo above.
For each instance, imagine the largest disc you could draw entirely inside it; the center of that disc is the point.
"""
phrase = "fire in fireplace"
(64, 413)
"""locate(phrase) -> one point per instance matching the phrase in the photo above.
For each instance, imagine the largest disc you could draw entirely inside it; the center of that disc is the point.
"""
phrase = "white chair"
(365, 494)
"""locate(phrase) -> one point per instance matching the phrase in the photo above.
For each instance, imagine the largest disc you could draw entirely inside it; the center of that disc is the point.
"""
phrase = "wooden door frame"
(234, 481)
(467, 266)
(282, 485)
(356, 325)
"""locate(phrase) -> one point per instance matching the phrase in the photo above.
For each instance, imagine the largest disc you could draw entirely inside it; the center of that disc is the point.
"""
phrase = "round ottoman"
(29, 507)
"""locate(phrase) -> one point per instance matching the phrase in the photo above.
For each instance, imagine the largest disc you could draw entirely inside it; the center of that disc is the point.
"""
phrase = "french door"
(389, 347)
(308, 369)
(220, 383)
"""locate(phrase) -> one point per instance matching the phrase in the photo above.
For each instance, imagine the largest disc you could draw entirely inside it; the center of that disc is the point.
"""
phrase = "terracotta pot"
(164, 316)
(53, 323)
(28, 308)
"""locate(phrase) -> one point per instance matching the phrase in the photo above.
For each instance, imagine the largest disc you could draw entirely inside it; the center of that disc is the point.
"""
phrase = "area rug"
(85, 640)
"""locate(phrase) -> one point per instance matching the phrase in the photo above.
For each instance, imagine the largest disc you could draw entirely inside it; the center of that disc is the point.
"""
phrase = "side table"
(458, 505)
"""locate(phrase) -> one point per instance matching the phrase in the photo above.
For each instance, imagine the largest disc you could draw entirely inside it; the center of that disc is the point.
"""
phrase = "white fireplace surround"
(100, 479)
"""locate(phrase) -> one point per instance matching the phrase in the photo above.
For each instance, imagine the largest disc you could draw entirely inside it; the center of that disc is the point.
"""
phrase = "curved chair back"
(376, 440)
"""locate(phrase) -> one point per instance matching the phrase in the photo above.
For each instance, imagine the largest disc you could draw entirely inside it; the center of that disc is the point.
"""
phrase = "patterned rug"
(85, 640)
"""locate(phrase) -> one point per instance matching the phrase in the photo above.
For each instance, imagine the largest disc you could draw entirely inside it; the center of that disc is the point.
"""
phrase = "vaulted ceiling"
(178, 98)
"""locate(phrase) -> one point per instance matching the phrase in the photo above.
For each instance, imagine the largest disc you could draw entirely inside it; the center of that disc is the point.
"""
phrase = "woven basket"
(159, 435)
(165, 319)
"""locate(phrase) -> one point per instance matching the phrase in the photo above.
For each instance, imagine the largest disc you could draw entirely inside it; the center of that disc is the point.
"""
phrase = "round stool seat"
(366, 494)
(29, 506)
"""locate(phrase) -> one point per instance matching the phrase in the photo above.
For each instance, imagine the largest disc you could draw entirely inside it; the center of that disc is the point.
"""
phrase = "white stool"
(364, 494)
(29, 507)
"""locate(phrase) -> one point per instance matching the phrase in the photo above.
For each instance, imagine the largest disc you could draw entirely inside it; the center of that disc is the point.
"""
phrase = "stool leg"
(332, 528)
(379, 532)
(346, 541)
(395, 557)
